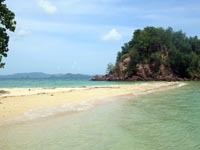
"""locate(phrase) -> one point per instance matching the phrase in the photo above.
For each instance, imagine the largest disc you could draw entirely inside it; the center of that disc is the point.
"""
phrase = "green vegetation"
(6, 23)
(160, 48)
(110, 68)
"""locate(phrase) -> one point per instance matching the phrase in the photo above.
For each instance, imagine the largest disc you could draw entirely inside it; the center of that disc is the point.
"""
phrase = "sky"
(83, 36)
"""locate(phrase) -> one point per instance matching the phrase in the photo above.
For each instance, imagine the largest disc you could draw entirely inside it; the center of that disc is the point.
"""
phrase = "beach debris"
(3, 92)
(42, 93)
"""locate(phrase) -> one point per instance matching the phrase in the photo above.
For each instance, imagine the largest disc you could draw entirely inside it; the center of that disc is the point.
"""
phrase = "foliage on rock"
(158, 54)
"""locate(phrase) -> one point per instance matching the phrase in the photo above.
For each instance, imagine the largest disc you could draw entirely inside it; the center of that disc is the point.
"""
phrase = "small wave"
(45, 112)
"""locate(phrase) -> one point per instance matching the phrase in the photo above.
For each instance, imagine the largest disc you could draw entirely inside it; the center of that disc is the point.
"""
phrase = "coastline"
(21, 104)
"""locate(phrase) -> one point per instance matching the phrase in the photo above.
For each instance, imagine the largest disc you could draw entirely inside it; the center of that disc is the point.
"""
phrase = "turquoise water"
(28, 83)
(167, 120)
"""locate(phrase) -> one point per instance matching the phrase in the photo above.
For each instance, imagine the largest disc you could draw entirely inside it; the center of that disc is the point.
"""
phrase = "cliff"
(157, 54)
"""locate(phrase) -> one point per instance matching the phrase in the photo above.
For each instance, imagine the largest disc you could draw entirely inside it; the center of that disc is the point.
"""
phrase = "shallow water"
(167, 120)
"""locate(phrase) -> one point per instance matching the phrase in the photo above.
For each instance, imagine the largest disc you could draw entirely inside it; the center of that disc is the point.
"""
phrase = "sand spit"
(30, 103)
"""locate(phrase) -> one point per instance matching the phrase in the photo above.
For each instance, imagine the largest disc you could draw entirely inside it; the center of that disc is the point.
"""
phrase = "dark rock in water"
(98, 78)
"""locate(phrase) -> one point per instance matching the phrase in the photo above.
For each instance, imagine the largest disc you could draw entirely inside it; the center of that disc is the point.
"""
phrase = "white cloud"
(47, 6)
(112, 35)
(23, 32)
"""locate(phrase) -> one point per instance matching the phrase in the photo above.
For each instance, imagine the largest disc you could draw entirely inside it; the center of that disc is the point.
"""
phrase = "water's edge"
(82, 106)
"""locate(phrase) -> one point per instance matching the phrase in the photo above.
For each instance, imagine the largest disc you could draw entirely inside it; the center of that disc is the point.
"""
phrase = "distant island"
(156, 54)
(40, 75)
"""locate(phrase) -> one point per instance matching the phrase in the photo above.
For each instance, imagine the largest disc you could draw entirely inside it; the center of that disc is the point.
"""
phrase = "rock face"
(123, 65)
(144, 72)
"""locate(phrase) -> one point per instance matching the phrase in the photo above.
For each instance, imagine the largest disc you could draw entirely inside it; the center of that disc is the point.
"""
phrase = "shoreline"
(22, 104)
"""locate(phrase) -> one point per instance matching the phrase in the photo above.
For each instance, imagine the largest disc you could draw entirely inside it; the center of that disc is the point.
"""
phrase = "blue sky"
(83, 36)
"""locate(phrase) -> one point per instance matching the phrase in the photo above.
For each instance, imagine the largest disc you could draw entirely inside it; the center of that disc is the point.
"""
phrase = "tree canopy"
(7, 23)
(110, 68)
(162, 47)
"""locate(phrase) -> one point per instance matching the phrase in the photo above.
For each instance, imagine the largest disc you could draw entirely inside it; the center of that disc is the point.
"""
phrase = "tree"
(110, 68)
(7, 23)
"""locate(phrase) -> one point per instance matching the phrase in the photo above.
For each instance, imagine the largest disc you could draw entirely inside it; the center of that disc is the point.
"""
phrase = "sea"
(55, 82)
(164, 120)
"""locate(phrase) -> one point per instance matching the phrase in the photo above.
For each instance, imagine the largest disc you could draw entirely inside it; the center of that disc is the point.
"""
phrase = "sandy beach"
(25, 102)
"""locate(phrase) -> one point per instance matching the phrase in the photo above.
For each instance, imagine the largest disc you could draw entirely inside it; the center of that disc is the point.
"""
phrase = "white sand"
(20, 101)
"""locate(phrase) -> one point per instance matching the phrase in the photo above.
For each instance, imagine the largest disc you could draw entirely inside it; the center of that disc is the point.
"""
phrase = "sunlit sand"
(21, 102)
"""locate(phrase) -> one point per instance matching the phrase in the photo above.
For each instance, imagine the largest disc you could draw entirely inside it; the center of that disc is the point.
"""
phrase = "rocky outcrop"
(144, 72)
(154, 67)
(109, 77)
(123, 65)
(155, 53)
